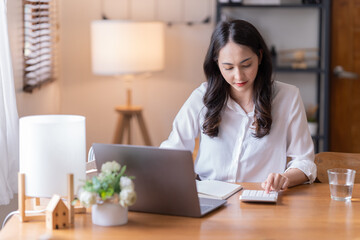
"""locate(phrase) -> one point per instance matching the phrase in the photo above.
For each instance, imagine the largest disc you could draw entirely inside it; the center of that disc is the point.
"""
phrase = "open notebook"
(216, 189)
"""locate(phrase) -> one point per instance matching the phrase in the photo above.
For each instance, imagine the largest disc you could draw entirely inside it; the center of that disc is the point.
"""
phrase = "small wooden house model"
(57, 214)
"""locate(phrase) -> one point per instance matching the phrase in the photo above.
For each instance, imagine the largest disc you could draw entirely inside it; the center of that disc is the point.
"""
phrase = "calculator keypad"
(258, 196)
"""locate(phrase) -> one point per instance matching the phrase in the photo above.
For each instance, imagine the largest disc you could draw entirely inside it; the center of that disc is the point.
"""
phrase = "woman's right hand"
(275, 182)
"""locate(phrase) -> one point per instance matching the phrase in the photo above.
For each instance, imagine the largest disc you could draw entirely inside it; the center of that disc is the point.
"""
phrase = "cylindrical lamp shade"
(126, 47)
(52, 146)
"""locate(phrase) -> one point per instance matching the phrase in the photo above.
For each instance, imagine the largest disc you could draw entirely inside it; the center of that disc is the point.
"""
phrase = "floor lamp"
(127, 49)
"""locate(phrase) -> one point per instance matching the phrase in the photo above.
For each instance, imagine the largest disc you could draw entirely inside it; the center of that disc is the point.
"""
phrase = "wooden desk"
(303, 212)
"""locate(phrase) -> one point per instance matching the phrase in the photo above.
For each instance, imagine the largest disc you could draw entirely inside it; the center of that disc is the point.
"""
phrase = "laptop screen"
(164, 178)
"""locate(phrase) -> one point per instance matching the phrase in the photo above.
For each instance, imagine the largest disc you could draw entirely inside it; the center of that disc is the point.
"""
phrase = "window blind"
(40, 42)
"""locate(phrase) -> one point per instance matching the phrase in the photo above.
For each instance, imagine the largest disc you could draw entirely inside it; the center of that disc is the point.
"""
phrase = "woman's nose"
(237, 75)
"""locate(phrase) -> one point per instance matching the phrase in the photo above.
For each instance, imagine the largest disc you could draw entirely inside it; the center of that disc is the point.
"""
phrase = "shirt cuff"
(308, 167)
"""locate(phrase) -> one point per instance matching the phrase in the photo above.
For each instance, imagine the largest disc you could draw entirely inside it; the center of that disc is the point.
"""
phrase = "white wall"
(161, 95)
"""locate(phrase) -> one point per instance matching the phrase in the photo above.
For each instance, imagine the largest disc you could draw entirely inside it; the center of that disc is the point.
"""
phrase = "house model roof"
(54, 202)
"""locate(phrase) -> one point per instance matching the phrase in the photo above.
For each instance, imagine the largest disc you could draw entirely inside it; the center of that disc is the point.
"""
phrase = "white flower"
(127, 197)
(110, 167)
(126, 183)
(87, 198)
(102, 176)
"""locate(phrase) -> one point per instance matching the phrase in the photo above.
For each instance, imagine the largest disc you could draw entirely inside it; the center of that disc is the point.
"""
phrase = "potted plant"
(109, 194)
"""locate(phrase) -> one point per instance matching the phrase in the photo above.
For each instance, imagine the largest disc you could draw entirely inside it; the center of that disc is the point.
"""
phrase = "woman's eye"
(246, 66)
(229, 68)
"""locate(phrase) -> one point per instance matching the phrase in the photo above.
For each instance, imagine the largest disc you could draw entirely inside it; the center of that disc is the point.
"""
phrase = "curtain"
(9, 128)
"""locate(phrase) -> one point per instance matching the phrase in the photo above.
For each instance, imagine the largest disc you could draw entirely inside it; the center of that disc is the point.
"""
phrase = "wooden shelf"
(298, 70)
(271, 5)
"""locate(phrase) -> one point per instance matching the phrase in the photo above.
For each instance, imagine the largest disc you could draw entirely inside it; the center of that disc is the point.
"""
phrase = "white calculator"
(258, 196)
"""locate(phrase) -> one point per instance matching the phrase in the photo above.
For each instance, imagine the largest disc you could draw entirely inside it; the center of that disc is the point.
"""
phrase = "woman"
(248, 124)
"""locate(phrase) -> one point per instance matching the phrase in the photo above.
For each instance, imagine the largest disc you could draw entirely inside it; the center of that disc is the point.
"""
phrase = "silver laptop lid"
(164, 178)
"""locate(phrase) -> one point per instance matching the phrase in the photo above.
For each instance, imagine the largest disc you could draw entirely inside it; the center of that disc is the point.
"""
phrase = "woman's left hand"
(275, 182)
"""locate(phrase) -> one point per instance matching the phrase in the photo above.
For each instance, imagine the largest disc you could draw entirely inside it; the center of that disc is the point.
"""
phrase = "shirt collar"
(234, 106)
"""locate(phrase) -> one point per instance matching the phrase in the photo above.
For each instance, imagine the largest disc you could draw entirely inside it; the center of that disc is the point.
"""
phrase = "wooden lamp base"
(22, 198)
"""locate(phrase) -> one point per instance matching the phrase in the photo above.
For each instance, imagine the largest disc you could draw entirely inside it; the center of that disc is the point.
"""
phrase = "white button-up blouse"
(235, 155)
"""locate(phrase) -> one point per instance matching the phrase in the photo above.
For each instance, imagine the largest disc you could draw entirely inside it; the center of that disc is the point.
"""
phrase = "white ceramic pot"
(109, 214)
(313, 128)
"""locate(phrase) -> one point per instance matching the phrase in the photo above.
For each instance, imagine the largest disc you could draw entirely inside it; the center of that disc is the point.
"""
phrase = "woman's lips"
(241, 84)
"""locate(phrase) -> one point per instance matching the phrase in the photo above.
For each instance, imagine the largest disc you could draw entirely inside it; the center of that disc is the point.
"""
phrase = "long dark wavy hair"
(218, 90)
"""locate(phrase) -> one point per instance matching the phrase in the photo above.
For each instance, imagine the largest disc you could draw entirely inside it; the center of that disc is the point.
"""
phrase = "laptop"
(164, 179)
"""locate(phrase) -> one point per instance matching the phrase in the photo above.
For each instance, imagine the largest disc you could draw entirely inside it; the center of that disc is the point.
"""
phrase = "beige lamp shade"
(126, 47)
(52, 146)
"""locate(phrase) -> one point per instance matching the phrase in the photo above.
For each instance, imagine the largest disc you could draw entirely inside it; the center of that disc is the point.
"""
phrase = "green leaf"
(106, 184)
(122, 171)
(103, 195)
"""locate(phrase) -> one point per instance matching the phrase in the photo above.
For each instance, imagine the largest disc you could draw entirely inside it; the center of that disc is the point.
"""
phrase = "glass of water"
(341, 182)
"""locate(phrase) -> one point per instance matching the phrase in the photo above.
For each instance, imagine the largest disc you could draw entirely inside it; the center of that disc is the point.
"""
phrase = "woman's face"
(238, 65)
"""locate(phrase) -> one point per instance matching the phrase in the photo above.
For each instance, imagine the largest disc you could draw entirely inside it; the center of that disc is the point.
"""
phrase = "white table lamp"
(51, 147)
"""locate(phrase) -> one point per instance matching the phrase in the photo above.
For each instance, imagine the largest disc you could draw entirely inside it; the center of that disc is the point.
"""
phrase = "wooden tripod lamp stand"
(126, 113)
(36, 205)
(52, 161)
(127, 49)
